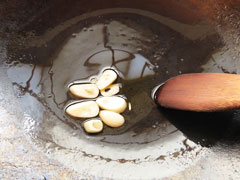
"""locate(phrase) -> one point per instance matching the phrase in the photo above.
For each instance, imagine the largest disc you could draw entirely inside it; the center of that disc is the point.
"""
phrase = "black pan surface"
(148, 43)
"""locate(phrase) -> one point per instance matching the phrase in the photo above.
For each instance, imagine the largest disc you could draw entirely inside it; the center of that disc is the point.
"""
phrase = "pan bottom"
(148, 49)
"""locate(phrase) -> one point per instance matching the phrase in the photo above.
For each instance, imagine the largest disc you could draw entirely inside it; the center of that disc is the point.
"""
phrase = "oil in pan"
(147, 49)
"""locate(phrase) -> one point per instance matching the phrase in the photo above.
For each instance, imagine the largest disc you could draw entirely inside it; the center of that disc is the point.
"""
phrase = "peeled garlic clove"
(110, 90)
(87, 109)
(107, 78)
(113, 103)
(111, 118)
(93, 125)
(84, 90)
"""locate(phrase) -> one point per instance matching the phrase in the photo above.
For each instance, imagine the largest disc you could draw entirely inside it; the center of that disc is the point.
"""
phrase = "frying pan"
(47, 44)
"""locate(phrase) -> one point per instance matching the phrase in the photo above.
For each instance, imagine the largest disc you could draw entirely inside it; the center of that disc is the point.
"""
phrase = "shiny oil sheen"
(146, 49)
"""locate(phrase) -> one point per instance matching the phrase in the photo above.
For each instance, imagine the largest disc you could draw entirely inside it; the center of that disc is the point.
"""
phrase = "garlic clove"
(110, 90)
(111, 118)
(93, 125)
(86, 109)
(84, 90)
(113, 103)
(107, 77)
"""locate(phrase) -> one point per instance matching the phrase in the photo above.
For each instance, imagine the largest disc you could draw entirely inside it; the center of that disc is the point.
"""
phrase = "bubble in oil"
(74, 35)
(139, 50)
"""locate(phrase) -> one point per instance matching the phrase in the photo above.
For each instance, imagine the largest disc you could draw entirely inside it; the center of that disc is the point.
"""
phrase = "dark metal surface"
(46, 45)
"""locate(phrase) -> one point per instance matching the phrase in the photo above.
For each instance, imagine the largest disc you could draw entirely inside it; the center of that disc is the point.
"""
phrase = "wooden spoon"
(201, 92)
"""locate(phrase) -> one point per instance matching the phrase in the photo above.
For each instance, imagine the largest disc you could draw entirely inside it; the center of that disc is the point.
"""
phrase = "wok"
(47, 44)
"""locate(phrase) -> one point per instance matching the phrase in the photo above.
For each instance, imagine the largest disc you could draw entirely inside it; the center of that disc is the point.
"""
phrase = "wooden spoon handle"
(201, 92)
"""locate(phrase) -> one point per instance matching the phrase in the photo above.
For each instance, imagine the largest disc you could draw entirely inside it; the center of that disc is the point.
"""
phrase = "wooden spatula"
(201, 92)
